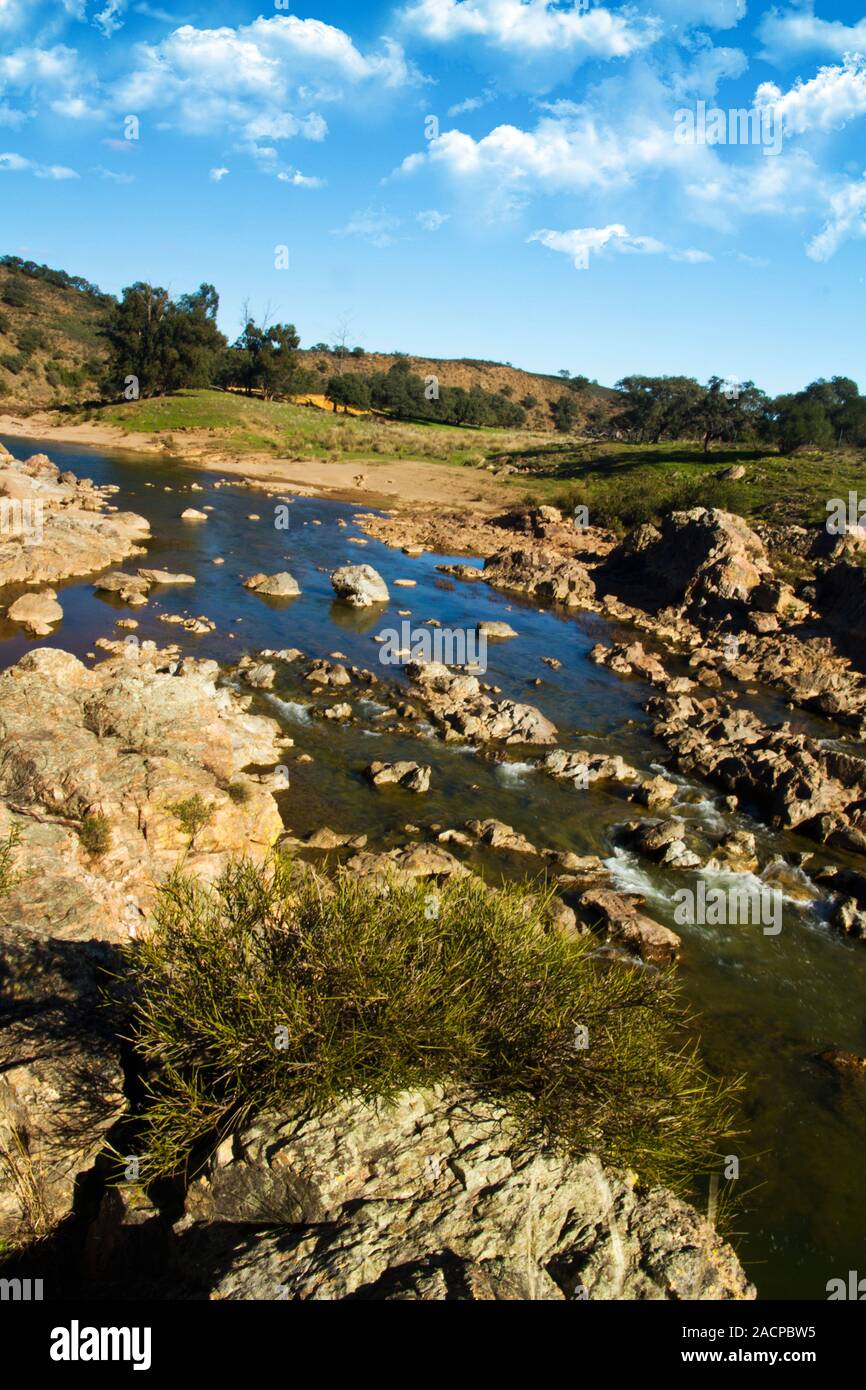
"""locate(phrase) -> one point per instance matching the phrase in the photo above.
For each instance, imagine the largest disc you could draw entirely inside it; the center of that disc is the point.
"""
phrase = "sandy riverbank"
(400, 483)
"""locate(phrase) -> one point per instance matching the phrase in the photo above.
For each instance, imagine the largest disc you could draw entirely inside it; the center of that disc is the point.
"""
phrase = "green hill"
(51, 350)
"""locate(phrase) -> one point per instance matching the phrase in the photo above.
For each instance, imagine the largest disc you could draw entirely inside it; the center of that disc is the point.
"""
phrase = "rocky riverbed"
(413, 770)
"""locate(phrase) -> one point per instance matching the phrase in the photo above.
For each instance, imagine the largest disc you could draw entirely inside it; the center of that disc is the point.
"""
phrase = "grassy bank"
(280, 991)
(625, 484)
(621, 484)
(246, 425)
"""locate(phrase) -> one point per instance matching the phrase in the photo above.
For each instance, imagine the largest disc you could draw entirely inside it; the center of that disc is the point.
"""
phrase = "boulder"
(281, 585)
(359, 585)
(629, 928)
(37, 612)
(435, 1196)
(412, 776)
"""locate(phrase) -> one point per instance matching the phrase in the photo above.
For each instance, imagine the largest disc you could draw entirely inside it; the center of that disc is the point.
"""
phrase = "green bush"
(194, 814)
(94, 832)
(375, 992)
(8, 876)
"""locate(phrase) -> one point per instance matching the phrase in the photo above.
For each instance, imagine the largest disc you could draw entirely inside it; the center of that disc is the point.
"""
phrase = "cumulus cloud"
(299, 180)
(217, 175)
(580, 242)
(792, 33)
(826, 102)
(108, 20)
(17, 164)
(540, 41)
(847, 220)
(270, 71)
(570, 149)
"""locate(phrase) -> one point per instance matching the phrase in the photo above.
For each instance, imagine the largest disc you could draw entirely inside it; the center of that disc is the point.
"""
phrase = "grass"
(621, 484)
(246, 425)
(8, 875)
(275, 990)
(625, 484)
(94, 832)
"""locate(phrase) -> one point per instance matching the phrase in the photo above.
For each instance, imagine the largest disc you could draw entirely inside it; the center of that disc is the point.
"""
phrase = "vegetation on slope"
(281, 990)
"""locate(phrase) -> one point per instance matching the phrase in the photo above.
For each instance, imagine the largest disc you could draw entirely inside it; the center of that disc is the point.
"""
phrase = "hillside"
(594, 402)
(51, 352)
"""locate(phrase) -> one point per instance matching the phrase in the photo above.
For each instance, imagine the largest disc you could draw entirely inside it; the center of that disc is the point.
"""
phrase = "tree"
(265, 358)
(352, 389)
(564, 413)
(801, 419)
(163, 344)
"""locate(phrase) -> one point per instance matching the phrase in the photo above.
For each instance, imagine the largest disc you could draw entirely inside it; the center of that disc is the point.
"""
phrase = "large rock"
(435, 1197)
(281, 585)
(704, 559)
(126, 741)
(61, 1077)
(542, 574)
(359, 585)
(627, 927)
(57, 526)
(460, 709)
(37, 612)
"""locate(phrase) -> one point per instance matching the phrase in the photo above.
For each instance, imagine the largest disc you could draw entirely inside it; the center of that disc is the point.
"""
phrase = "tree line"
(159, 344)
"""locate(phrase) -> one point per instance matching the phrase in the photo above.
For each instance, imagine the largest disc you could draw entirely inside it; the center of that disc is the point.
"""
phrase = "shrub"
(94, 832)
(194, 814)
(8, 876)
(240, 792)
(374, 994)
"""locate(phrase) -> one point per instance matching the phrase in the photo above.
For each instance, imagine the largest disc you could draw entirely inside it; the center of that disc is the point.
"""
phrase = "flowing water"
(767, 1004)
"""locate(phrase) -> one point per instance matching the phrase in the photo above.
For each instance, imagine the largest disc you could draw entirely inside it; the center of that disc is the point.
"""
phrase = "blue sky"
(560, 214)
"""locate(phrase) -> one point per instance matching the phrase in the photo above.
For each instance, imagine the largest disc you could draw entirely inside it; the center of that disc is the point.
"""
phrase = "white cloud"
(17, 164)
(11, 13)
(571, 148)
(373, 225)
(260, 72)
(110, 176)
(218, 174)
(108, 19)
(299, 180)
(714, 14)
(835, 95)
(541, 41)
(789, 34)
(581, 242)
(75, 108)
(462, 108)
(847, 220)
(431, 220)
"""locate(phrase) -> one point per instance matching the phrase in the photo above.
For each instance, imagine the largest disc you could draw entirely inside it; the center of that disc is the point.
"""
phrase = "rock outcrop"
(56, 526)
(435, 1197)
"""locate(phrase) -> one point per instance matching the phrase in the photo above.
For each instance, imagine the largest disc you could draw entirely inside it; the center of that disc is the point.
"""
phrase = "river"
(766, 1004)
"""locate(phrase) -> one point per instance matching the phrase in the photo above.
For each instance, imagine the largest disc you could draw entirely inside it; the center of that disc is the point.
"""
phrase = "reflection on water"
(766, 1004)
